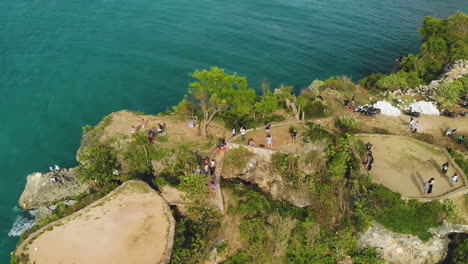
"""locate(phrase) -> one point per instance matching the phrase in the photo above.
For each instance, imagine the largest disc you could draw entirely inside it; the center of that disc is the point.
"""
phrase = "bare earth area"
(133, 224)
(280, 135)
(404, 165)
(177, 130)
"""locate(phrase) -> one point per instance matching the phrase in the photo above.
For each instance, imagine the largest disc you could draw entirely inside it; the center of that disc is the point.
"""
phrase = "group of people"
(351, 104)
(54, 168)
(369, 161)
(242, 131)
(222, 146)
(152, 134)
(444, 170)
(160, 130)
(413, 125)
(268, 138)
(209, 169)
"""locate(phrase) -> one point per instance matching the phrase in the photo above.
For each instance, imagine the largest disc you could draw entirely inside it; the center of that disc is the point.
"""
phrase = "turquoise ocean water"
(65, 64)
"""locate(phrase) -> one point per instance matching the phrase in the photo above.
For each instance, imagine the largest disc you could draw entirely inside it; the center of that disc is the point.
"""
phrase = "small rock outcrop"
(398, 248)
(452, 72)
(44, 189)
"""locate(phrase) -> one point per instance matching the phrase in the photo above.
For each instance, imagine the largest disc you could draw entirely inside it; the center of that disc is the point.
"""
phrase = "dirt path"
(404, 165)
(131, 225)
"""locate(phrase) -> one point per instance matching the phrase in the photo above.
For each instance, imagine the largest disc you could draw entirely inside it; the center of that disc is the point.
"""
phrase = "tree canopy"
(216, 91)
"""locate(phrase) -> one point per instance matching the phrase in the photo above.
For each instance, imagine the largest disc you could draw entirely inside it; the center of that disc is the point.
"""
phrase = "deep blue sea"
(65, 64)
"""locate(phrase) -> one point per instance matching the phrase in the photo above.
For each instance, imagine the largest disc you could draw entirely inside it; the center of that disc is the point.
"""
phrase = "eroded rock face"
(260, 171)
(41, 191)
(398, 248)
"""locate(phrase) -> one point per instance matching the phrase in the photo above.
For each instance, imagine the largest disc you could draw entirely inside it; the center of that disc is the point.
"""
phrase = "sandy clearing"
(281, 137)
(131, 225)
(404, 165)
(177, 129)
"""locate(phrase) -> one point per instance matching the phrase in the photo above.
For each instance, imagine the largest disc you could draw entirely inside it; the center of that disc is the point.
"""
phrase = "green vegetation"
(406, 217)
(278, 232)
(237, 157)
(216, 91)
(240, 257)
(140, 153)
(460, 160)
(346, 123)
(461, 253)
(448, 94)
(97, 163)
(444, 41)
(194, 231)
(316, 133)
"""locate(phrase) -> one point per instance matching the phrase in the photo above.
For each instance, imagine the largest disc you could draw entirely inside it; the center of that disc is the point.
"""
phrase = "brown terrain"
(132, 224)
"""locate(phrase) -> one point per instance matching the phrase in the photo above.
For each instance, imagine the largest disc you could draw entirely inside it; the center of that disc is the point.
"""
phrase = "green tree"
(97, 163)
(433, 26)
(140, 153)
(370, 81)
(340, 83)
(267, 105)
(216, 91)
(291, 100)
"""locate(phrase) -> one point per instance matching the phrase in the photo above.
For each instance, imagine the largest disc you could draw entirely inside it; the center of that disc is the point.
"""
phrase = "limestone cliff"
(260, 171)
(41, 191)
(452, 72)
(402, 249)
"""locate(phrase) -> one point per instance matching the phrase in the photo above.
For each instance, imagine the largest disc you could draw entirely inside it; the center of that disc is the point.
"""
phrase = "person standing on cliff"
(454, 179)
(142, 123)
(269, 141)
(242, 131)
(415, 127)
(445, 168)
(294, 135)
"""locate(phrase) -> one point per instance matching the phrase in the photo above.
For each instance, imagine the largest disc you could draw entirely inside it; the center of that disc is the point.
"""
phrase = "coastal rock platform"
(40, 190)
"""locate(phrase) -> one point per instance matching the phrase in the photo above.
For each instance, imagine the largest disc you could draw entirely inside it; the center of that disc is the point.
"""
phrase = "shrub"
(346, 123)
(240, 257)
(314, 108)
(140, 153)
(97, 163)
(460, 160)
(370, 81)
(237, 157)
(392, 82)
(317, 132)
(411, 217)
(341, 83)
(448, 93)
(461, 253)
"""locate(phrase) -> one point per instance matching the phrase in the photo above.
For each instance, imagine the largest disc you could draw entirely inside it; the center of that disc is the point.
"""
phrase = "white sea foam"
(23, 221)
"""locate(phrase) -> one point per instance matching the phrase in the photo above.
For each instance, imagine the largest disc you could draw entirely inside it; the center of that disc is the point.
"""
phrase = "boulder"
(40, 189)
(398, 248)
